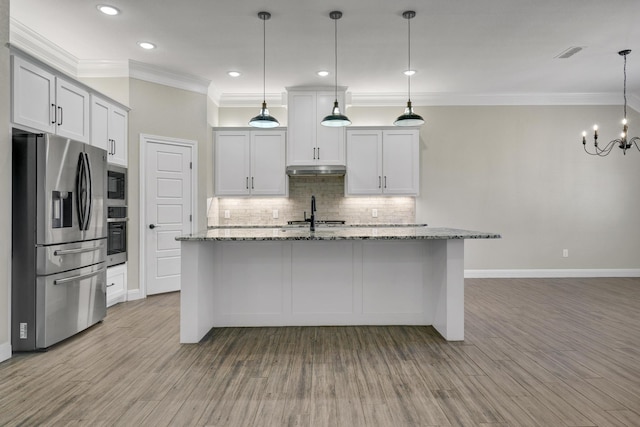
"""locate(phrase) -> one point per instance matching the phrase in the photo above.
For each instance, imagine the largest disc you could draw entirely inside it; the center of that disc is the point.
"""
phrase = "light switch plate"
(275, 214)
(227, 213)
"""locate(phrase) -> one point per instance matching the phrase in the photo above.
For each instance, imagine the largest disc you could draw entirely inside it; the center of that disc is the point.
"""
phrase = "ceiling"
(459, 47)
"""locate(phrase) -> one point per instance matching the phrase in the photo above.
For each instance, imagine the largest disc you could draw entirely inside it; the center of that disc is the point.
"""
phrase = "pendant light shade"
(336, 119)
(263, 119)
(409, 117)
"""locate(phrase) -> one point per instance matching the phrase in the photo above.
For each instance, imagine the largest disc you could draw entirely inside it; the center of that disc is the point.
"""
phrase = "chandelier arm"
(602, 152)
(634, 141)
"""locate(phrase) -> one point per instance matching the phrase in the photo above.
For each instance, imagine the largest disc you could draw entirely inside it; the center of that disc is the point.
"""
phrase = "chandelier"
(623, 142)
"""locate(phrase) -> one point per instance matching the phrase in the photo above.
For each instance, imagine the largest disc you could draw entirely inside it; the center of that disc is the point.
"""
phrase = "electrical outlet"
(565, 253)
(275, 214)
(23, 331)
(374, 213)
(227, 214)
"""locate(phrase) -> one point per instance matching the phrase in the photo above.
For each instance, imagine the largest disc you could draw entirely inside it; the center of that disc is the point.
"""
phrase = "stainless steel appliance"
(116, 185)
(116, 235)
(59, 232)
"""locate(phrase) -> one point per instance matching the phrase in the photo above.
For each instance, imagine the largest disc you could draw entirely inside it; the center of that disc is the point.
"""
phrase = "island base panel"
(322, 283)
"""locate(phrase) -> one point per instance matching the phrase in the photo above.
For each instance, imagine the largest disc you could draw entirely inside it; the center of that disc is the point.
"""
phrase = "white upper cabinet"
(45, 102)
(310, 143)
(109, 129)
(72, 111)
(383, 162)
(250, 162)
(268, 177)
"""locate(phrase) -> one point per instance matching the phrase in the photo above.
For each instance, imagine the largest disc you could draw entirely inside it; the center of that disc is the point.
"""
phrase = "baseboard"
(134, 294)
(5, 351)
(551, 273)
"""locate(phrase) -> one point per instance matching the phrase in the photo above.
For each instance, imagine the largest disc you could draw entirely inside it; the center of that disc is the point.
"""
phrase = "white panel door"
(364, 162)
(168, 213)
(268, 158)
(72, 110)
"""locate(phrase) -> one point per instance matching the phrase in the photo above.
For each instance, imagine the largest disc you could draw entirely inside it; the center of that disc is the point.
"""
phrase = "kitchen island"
(353, 275)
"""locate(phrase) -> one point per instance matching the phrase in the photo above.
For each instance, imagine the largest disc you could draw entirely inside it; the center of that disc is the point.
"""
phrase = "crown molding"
(154, 74)
(53, 55)
(44, 50)
(41, 48)
(235, 100)
(633, 101)
(103, 68)
(486, 99)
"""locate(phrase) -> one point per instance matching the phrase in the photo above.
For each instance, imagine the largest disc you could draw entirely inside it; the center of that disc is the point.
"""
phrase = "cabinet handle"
(318, 153)
(113, 284)
(55, 117)
(314, 154)
(385, 181)
(247, 183)
(60, 123)
(252, 183)
(113, 141)
(379, 181)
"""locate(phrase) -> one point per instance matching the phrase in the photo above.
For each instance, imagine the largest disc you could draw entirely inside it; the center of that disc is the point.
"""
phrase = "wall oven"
(116, 235)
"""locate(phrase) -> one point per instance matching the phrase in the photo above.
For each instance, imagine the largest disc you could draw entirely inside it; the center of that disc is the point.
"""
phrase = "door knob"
(152, 226)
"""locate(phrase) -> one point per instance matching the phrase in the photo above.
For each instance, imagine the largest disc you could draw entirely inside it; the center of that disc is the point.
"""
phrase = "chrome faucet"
(313, 217)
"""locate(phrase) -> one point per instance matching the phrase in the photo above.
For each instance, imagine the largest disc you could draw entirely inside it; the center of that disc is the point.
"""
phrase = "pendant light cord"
(335, 50)
(264, 60)
(409, 56)
(625, 86)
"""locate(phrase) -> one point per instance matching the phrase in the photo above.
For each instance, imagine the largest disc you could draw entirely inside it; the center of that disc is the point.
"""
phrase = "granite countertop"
(377, 232)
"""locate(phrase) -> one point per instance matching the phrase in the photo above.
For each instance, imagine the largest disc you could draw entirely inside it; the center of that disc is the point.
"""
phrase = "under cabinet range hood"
(311, 170)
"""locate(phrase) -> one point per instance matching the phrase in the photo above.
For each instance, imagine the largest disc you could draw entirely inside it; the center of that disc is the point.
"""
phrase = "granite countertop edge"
(406, 232)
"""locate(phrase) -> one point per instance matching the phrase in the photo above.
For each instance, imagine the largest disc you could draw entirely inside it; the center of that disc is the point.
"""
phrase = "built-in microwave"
(116, 185)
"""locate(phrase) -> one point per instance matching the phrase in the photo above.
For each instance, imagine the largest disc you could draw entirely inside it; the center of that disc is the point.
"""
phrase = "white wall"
(5, 185)
(164, 111)
(521, 171)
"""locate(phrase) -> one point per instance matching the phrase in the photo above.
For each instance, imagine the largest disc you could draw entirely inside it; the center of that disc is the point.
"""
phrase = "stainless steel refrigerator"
(59, 239)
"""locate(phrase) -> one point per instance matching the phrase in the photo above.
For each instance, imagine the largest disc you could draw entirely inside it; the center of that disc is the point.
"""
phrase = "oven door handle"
(117, 219)
(58, 252)
(76, 278)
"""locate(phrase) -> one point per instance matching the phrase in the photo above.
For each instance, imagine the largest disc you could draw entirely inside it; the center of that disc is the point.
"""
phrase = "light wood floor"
(537, 353)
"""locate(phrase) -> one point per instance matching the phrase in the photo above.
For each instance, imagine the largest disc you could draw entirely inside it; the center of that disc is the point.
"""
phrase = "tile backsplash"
(330, 200)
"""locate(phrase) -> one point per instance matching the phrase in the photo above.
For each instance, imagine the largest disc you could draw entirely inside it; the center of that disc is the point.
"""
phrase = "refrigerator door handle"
(89, 197)
(76, 278)
(76, 251)
(80, 190)
(83, 188)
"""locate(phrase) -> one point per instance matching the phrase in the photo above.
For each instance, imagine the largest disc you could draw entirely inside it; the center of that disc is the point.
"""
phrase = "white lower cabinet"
(383, 161)
(250, 163)
(116, 284)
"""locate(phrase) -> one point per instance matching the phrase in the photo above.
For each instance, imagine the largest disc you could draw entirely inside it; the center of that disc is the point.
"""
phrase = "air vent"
(569, 52)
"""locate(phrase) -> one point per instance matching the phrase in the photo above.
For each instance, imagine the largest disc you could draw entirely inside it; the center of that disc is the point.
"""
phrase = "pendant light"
(263, 119)
(409, 118)
(336, 119)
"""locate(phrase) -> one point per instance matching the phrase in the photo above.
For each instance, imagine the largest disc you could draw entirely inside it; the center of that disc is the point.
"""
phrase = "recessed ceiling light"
(234, 73)
(147, 45)
(108, 10)
(322, 73)
(409, 72)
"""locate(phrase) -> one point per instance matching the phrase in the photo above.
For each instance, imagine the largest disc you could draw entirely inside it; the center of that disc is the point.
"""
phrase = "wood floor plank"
(538, 352)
